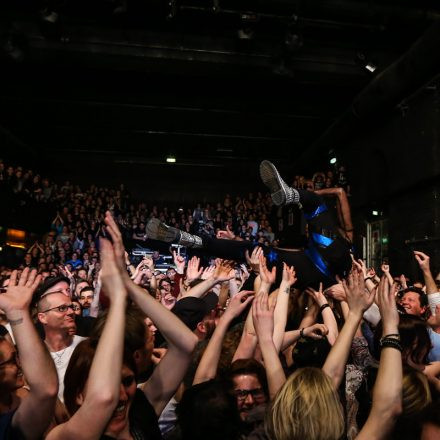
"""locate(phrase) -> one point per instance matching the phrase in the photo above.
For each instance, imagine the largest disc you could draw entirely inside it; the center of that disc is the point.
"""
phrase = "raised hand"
(316, 331)
(337, 292)
(224, 270)
(386, 301)
(423, 261)
(193, 271)
(118, 245)
(148, 261)
(179, 262)
(226, 234)
(254, 259)
(208, 272)
(262, 315)
(385, 268)
(360, 265)
(238, 303)
(403, 281)
(358, 297)
(266, 276)
(18, 295)
(111, 275)
(289, 275)
(317, 295)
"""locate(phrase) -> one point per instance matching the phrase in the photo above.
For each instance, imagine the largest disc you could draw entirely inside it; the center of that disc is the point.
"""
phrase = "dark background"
(102, 96)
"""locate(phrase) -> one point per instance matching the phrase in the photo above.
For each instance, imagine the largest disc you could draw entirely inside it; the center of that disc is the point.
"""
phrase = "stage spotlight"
(171, 159)
(333, 160)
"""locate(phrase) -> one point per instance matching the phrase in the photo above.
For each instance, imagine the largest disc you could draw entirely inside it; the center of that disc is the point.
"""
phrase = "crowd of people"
(259, 343)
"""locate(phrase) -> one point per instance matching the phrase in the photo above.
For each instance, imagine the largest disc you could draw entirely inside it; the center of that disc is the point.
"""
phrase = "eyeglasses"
(63, 308)
(256, 393)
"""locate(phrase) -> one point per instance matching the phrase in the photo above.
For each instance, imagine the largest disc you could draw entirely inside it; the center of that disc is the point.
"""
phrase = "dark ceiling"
(213, 82)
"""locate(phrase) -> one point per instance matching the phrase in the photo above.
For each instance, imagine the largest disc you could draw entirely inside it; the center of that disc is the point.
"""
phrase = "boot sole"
(272, 179)
(157, 230)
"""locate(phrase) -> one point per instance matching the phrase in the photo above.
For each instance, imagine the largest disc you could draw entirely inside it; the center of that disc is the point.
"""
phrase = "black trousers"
(336, 255)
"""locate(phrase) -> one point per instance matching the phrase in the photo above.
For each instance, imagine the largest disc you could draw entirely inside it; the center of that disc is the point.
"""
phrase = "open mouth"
(120, 410)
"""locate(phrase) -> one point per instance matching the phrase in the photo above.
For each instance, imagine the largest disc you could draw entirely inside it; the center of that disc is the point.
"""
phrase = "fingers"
(320, 287)
(23, 277)
(13, 278)
(31, 278)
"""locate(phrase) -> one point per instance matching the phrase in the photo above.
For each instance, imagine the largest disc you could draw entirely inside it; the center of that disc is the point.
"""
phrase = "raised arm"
(282, 305)
(223, 272)
(262, 314)
(103, 385)
(386, 271)
(423, 261)
(387, 392)
(315, 331)
(207, 368)
(167, 376)
(359, 300)
(248, 341)
(326, 311)
(35, 412)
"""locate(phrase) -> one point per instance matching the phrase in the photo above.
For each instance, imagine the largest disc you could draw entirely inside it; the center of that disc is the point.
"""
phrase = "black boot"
(281, 193)
(156, 230)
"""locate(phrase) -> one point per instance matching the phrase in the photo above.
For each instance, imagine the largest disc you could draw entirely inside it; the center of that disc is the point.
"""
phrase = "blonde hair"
(416, 393)
(306, 407)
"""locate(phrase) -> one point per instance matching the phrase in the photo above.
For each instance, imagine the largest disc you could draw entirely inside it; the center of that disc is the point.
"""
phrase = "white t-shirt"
(61, 359)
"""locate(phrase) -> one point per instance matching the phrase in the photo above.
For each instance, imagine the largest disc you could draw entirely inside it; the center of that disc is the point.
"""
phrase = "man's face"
(248, 392)
(411, 303)
(54, 319)
(11, 376)
(86, 299)
(80, 286)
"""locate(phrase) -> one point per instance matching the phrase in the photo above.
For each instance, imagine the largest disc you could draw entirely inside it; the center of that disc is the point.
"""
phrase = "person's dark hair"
(414, 338)
(207, 410)
(78, 370)
(48, 283)
(87, 289)
(247, 366)
(135, 332)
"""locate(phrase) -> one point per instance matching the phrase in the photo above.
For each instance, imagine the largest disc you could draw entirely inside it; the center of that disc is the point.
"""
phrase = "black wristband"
(369, 278)
(395, 336)
(390, 343)
(324, 306)
(301, 333)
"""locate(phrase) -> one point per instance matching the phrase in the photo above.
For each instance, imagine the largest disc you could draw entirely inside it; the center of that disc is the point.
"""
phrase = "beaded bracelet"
(391, 335)
(390, 343)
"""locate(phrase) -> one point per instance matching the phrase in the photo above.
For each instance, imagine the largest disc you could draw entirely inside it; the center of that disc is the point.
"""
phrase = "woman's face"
(127, 390)
(11, 376)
